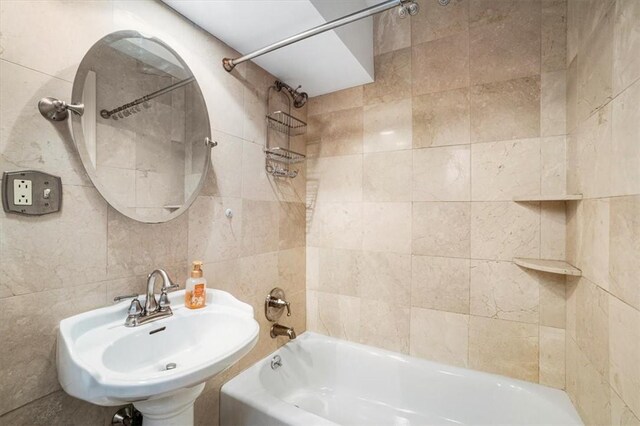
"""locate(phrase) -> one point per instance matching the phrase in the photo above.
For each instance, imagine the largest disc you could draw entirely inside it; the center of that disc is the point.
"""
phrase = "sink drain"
(170, 366)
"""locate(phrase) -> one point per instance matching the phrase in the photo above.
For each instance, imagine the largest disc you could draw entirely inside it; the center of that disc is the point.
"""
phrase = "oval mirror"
(142, 137)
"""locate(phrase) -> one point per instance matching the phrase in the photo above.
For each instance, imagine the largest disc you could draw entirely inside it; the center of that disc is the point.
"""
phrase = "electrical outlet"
(22, 192)
(31, 192)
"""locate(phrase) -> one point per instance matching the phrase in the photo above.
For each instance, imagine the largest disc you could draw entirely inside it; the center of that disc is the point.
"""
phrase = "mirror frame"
(79, 139)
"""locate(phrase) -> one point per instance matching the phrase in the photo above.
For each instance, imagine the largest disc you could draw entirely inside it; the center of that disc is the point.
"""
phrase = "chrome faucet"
(282, 330)
(153, 310)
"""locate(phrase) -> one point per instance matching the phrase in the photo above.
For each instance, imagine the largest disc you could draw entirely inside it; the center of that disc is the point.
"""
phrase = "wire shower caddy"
(279, 158)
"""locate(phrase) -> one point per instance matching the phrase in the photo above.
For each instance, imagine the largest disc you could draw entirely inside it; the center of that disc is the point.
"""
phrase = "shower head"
(299, 98)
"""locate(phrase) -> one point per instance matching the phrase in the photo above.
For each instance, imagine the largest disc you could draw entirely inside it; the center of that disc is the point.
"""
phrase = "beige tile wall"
(603, 239)
(411, 227)
(55, 266)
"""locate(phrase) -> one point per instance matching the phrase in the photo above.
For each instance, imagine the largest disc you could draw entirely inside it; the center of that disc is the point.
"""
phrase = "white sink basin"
(103, 362)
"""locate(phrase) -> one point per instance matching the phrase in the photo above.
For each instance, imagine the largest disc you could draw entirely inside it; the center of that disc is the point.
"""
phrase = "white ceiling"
(325, 63)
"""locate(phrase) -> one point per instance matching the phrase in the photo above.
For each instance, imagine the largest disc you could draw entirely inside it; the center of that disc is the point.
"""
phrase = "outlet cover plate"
(46, 191)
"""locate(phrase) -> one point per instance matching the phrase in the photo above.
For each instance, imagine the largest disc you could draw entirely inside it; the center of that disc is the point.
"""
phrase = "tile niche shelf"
(553, 266)
(536, 198)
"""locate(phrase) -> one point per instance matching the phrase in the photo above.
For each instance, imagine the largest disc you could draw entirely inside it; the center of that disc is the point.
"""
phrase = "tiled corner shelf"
(552, 266)
(535, 198)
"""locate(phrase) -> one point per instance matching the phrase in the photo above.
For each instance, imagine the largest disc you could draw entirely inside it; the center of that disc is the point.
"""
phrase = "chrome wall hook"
(56, 110)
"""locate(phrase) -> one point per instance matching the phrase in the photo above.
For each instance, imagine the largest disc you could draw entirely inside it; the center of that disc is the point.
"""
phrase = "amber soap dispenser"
(195, 295)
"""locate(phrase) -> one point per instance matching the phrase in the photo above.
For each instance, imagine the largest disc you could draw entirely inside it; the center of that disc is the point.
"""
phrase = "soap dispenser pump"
(195, 295)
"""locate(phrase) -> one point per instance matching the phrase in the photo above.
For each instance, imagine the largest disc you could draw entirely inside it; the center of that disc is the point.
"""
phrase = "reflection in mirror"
(142, 137)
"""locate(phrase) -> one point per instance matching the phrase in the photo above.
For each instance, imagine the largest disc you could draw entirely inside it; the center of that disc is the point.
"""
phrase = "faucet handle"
(128, 296)
(135, 308)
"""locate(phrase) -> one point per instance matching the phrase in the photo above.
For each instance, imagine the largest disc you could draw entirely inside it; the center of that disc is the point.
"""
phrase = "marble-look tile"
(594, 11)
(504, 40)
(212, 235)
(134, 248)
(440, 336)
(56, 409)
(336, 101)
(335, 225)
(624, 352)
(595, 69)
(436, 21)
(26, 140)
(292, 270)
(28, 352)
(506, 110)
(440, 283)
(553, 230)
(575, 11)
(442, 173)
(384, 325)
(593, 392)
(503, 230)
(553, 304)
(390, 32)
(589, 245)
(554, 35)
(387, 176)
(441, 229)
(504, 347)
(115, 146)
(93, 20)
(138, 285)
(626, 45)
(259, 227)
(256, 184)
(553, 175)
(387, 227)
(258, 274)
(338, 271)
(58, 250)
(385, 277)
(592, 325)
(334, 315)
(387, 126)
(335, 133)
(505, 169)
(441, 64)
(572, 94)
(625, 149)
(392, 77)
(121, 187)
(226, 161)
(224, 275)
(624, 248)
(154, 190)
(292, 220)
(621, 414)
(571, 368)
(502, 290)
(337, 179)
(589, 156)
(552, 357)
(553, 103)
(441, 119)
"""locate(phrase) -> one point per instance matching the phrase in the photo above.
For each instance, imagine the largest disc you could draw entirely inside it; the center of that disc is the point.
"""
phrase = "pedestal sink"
(161, 366)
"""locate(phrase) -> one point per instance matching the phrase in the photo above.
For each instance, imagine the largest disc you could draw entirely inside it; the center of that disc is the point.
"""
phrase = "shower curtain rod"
(408, 7)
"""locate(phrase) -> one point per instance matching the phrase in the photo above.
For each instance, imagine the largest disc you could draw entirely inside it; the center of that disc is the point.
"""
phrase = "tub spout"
(281, 330)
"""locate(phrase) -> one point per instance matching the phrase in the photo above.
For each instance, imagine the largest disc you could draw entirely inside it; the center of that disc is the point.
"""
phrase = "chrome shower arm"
(409, 7)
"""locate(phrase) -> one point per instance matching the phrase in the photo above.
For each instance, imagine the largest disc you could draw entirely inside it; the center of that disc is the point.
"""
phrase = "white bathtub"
(326, 381)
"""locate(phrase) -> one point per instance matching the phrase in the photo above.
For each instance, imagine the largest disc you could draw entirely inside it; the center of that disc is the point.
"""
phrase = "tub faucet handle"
(275, 305)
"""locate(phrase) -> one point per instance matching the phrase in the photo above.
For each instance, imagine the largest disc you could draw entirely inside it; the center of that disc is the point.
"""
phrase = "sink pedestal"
(172, 410)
